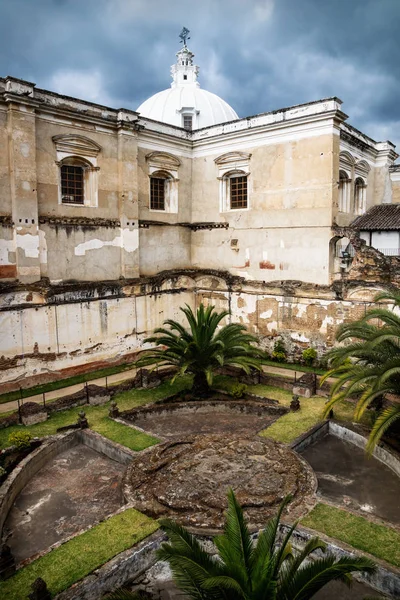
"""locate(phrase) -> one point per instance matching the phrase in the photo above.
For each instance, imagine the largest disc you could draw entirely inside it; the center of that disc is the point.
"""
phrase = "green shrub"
(20, 439)
(238, 390)
(309, 355)
(2, 472)
(279, 354)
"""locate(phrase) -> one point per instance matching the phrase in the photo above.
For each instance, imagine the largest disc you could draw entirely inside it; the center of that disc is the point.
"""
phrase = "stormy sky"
(259, 55)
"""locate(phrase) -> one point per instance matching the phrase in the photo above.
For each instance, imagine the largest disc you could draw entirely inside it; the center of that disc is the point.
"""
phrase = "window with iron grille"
(72, 184)
(187, 122)
(238, 192)
(157, 193)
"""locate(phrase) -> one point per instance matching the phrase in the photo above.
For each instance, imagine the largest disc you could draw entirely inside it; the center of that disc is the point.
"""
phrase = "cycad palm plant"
(202, 348)
(243, 570)
(369, 365)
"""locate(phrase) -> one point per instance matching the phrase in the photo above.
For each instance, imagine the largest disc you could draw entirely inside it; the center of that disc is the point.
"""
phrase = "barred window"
(72, 185)
(238, 192)
(157, 193)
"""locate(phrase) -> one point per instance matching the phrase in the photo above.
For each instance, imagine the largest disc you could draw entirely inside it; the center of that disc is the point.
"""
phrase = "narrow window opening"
(157, 193)
(185, 77)
(238, 192)
(71, 184)
(187, 122)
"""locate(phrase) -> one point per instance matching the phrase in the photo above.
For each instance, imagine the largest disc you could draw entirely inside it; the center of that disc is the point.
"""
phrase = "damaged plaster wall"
(285, 232)
(45, 332)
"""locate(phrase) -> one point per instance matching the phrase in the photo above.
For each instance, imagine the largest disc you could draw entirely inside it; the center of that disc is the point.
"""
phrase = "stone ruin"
(188, 480)
(32, 413)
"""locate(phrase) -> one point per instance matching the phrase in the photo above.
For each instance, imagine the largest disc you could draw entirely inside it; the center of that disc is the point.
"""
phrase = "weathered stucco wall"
(71, 327)
(163, 248)
(285, 232)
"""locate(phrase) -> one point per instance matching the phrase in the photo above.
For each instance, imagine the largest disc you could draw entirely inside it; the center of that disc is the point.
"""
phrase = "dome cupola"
(185, 104)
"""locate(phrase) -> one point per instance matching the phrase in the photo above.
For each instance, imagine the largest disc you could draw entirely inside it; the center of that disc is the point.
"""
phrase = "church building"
(111, 219)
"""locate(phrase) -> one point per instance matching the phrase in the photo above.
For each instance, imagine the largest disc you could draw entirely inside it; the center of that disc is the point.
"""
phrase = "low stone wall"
(104, 446)
(311, 436)
(381, 453)
(384, 580)
(48, 450)
(193, 407)
(29, 466)
(113, 574)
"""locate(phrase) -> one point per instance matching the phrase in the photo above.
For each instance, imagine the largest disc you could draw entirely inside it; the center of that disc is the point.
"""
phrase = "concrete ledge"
(49, 449)
(105, 446)
(386, 579)
(311, 436)
(29, 466)
(381, 453)
(113, 574)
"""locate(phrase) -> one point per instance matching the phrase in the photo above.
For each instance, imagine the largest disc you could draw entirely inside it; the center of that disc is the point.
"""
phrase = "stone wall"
(65, 329)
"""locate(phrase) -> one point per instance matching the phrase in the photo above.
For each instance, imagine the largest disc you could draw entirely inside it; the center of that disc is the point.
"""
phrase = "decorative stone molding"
(77, 145)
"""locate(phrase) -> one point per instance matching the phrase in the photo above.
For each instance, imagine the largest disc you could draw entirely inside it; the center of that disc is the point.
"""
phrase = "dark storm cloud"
(259, 55)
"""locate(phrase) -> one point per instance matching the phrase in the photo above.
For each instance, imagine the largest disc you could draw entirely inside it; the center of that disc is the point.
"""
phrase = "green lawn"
(99, 420)
(288, 427)
(378, 540)
(57, 385)
(78, 557)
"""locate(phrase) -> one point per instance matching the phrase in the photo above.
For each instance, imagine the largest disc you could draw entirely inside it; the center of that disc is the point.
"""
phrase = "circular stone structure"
(216, 415)
(188, 480)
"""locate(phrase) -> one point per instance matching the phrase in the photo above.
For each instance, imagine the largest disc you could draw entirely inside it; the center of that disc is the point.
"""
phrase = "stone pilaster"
(128, 194)
(21, 123)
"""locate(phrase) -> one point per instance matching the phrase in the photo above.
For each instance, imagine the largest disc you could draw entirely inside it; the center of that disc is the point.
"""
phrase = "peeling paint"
(299, 337)
(273, 326)
(6, 246)
(128, 240)
(29, 244)
(266, 315)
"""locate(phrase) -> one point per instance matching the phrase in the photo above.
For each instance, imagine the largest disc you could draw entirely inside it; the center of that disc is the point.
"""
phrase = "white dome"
(185, 104)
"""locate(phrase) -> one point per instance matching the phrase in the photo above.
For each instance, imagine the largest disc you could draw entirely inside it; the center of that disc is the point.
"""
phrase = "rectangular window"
(187, 122)
(157, 193)
(71, 184)
(238, 186)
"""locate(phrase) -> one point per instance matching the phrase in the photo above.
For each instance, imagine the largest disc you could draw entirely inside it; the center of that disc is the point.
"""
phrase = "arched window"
(344, 192)
(360, 196)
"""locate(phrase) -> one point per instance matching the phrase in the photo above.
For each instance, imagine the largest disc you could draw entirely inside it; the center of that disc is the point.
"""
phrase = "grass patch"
(78, 557)
(99, 420)
(61, 383)
(288, 427)
(378, 540)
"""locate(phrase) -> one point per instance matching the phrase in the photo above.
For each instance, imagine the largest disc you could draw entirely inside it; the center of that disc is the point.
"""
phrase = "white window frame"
(230, 165)
(165, 166)
(82, 152)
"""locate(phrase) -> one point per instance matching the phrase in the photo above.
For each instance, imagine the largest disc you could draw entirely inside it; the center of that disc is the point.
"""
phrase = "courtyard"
(179, 466)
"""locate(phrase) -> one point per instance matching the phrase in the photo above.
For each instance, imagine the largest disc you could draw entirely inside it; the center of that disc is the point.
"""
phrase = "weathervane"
(184, 35)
